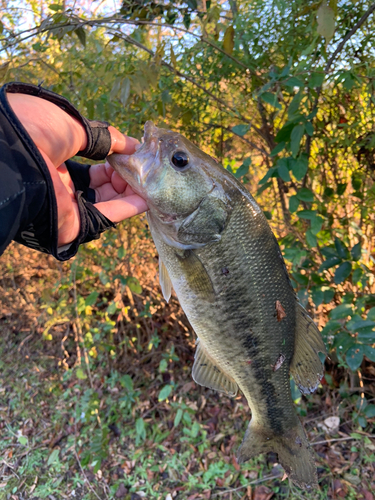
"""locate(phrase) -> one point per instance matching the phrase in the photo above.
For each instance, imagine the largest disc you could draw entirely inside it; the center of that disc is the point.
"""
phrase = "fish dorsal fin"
(165, 281)
(306, 367)
(207, 373)
(196, 274)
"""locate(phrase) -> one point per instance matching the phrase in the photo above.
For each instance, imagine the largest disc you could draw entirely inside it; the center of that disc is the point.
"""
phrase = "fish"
(219, 254)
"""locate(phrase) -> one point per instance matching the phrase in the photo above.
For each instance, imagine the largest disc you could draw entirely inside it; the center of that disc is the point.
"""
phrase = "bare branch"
(189, 79)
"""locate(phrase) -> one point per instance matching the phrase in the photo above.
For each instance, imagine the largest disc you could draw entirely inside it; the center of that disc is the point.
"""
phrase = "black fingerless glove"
(28, 208)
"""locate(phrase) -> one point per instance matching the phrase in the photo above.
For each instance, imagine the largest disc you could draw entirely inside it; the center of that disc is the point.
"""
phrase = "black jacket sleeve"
(28, 208)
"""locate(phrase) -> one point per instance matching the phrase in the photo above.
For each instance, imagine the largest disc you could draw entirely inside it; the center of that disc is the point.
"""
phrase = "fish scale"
(219, 254)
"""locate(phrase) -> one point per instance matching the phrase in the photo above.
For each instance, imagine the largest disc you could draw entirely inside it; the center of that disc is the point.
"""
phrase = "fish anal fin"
(198, 279)
(207, 373)
(306, 367)
(165, 281)
(292, 448)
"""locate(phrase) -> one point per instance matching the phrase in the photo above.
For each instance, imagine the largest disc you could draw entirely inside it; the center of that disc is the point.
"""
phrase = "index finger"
(122, 144)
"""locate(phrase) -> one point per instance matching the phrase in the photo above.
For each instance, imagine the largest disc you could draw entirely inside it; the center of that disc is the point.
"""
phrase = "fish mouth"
(136, 168)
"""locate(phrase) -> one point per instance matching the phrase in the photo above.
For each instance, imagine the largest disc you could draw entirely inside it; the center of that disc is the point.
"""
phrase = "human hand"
(58, 137)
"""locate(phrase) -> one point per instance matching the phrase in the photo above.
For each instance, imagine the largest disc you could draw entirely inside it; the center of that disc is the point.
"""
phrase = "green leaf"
(163, 365)
(242, 170)
(294, 105)
(140, 428)
(228, 41)
(356, 251)
(178, 417)
(91, 299)
(192, 4)
(80, 32)
(341, 188)
(299, 167)
(330, 262)
(307, 214)
(295, 138)
(276, 150)
(293, 203)
(293, 82)
(55, 7)
(363, 323)
(271, 99)
(165, 392)
(134, 285)
(342, 250)
(311, 239)
(342, 311)
(316, 79)
(326, 22)
(125, 91)
(283, 171)
(369, 352)
(81, 374)
(54, 457)
(284, 133)
(316, 224)
(121, 252)
(370, 410)
(357, 274)
(268, 175)
(371, 314)
(354, 357)
(342, 272)
(22, 440)
(309, 128)
(305, 194)
(241, 130)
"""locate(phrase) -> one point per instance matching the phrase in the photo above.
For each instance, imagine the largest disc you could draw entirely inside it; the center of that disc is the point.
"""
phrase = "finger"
(121, 143)
(99, 175)
(118, 210)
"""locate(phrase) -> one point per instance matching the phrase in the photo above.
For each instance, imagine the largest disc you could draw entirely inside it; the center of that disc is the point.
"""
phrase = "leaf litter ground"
(117, 415)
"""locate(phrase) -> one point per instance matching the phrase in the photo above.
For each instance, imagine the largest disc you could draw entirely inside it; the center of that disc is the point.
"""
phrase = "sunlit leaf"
(228, 41)
(326, 21)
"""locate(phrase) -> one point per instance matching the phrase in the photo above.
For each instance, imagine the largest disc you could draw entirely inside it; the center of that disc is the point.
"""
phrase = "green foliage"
(257, 85)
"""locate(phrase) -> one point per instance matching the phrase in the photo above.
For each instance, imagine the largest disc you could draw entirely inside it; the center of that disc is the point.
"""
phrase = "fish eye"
(180, 159)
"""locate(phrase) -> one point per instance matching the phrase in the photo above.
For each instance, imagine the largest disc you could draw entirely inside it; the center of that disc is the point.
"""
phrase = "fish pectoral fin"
(306, 366)
(165, 281)
(205, 224)
(198, 279)
(207, 373)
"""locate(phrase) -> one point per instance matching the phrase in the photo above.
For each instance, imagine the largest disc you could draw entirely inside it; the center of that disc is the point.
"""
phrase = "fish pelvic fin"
(209, 374)
(165, 281)
(306, 367)
(293, 450)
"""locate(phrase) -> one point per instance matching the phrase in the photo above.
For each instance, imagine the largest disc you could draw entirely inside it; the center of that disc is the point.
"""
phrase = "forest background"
(96, 396)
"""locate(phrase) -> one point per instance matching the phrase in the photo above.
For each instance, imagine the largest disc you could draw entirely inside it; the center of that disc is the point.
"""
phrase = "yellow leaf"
(228, 42)
(326, 22)
(173, 59)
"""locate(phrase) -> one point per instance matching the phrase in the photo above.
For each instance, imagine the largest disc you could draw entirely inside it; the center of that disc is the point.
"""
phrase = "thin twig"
(327, 67)
(334, 440)
(256, 481)
(188, 78)
(86, 479)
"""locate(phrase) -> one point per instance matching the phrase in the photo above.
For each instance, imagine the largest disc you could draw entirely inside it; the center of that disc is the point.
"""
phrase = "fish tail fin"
(292, 448)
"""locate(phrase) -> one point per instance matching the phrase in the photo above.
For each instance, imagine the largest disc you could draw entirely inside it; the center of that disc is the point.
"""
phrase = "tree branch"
(330, 61)
(189, 79)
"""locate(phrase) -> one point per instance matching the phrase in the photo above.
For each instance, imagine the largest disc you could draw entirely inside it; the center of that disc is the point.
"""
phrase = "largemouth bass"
(219, 254)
